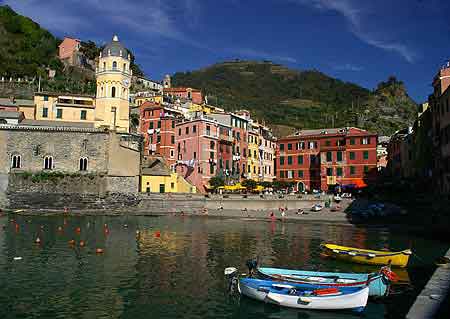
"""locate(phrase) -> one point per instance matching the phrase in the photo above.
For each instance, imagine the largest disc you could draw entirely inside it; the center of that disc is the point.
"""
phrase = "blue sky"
(361, 41)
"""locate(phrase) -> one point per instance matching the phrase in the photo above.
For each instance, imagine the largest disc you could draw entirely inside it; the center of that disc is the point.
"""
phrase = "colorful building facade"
(157, 126)
(323, 159)
(184, 93)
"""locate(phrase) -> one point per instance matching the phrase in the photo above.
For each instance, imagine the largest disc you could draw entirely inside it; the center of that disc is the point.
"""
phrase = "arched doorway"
(301, 187)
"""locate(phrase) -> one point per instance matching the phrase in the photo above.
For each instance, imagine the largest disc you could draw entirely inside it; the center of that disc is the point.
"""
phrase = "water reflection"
(174, 267)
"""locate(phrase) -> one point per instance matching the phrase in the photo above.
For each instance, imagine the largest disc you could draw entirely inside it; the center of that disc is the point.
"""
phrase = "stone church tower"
(166, 81)
(113, 74)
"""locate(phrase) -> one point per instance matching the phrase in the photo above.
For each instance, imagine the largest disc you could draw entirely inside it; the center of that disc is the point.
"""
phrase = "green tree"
(250, 184)
(216, 181)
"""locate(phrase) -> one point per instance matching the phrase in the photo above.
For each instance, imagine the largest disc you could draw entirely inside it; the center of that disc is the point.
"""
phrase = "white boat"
(317, 208)
(337, 198)
(292, 295)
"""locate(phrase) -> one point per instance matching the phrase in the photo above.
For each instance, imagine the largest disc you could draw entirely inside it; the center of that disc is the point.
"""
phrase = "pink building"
(197, 151)
(69, 51)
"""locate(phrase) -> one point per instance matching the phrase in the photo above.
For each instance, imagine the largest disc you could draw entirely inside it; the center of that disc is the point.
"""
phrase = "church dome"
(115, 48)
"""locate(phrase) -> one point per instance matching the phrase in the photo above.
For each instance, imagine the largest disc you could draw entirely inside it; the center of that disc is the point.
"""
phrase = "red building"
(324, 158)
(184, 93)
(157, 125)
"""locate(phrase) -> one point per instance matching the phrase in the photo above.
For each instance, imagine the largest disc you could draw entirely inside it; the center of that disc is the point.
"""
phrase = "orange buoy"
(78, 229)
(60, 228)
(71, 242)
(82, 243)
(99, 251)
(157, 234)
(38, 240)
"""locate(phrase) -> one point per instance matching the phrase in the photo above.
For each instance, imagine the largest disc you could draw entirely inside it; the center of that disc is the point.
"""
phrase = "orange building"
(69, 51)
(184, 93)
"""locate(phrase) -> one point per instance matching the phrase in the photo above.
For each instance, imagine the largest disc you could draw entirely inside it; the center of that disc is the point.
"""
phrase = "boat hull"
(366, 256)
(378, 286)
(356, 300)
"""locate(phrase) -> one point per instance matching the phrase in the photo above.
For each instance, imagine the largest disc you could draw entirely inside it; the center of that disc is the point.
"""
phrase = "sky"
(360, 41)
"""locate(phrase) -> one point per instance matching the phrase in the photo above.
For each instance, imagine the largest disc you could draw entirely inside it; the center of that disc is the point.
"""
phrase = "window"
(366, 169)
(352, 170)
(159, 124)
(114, 65)
(212, 145)
(327, 143)
(329, 171)
(281, 147)
(339, 171)
(150, 126)
(352, 155)
(352, 141)
(59, 113)
(281, 160)
(83, 114)
(16, 161)
(249, 169)
(45, 112)
(186, 130)
(179, 131)
(281, 174)
(312, 158)
(172, 153)
(173, 124)
(211, 168)
(158, 139)
(300, 174)
(254, 169)
(48, 162)
(195, 155)
(312, 145)
(300, 159)
(339, 156)
(172, 139)
(162, 188)
(172, 185)
(365, 140)
(83, 164)
(124, 67)
(329, 156)
(113, 91)
(208, 130)
(194, 129)
(211, 155)
(289, 147)
(289, 160)
(254, 154)
(366, 155)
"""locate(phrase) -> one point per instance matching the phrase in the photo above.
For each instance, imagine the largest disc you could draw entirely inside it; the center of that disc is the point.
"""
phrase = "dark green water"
(178, 273)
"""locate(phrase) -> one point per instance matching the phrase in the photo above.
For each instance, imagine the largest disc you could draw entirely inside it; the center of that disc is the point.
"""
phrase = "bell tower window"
(113, 91)
(114, 65)
(104, 66)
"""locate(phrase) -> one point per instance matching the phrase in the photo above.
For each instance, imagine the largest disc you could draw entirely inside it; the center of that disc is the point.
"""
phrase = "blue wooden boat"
(378, 282)
(304, 296)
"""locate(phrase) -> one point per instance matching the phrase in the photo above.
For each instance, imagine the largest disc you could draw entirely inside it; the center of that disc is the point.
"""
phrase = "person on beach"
(300, 211)
(283, 213)
(272, 216)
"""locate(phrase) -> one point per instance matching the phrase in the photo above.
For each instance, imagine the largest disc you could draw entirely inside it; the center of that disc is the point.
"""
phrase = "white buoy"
(17, 258)
(229, 270)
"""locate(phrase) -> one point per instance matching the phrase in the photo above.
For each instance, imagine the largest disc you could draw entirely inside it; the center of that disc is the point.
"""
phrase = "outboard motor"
(232, 278)
(252, 266)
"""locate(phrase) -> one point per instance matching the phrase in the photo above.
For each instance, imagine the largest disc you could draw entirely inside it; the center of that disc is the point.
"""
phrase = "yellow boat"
(366, 256)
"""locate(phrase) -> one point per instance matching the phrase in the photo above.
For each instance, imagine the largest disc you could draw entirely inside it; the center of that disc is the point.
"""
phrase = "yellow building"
(64, 107)
(113, 75)
(142, 97)
(158, 178)
(253, 160)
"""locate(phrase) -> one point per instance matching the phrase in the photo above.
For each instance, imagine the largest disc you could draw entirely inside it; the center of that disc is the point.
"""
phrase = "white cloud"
(359, 15)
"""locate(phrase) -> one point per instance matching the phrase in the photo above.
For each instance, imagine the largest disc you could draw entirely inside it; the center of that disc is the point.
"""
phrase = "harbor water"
(172, 266)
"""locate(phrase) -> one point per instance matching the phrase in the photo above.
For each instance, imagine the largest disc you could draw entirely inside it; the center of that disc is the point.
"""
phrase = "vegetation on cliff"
(29, 51)
(294, 99)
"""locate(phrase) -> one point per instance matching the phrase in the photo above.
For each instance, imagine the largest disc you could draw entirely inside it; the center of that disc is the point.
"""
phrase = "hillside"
(27, 50)
(301, 99)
